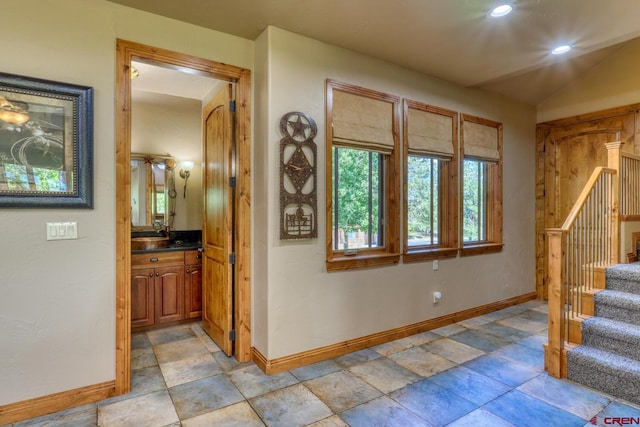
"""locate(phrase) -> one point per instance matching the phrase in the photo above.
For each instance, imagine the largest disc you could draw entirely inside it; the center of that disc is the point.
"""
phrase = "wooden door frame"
(125, 52)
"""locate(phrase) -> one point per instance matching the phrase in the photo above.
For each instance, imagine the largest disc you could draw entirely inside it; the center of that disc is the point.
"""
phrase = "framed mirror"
(153, 191)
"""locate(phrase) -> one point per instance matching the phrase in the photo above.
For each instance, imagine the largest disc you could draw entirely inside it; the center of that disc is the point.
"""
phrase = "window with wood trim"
(357, 199)
(431, 182)
(481, 210)
(363, 184)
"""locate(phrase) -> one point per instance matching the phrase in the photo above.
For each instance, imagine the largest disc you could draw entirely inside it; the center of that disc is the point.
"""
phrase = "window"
(362, 177)
(481, 186)
(160, 202)
(423, 201)
(475, 201)
(430, 136)
(357, 199)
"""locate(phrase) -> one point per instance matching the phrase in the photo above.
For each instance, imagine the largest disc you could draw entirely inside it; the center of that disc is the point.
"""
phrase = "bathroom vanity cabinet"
(166, 288)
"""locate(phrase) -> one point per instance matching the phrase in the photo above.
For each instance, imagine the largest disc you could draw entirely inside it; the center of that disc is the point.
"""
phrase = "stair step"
(604, 371)
(624, 277)
(584, 299)
(618, 305)
(575, 329)
(612, 335)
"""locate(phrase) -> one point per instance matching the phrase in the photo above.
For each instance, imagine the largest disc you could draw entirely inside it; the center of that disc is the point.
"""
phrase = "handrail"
(584, 194)
(588, 238)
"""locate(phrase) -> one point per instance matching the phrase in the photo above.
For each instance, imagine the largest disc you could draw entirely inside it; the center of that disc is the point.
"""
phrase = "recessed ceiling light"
(562, 49)
(501, 10)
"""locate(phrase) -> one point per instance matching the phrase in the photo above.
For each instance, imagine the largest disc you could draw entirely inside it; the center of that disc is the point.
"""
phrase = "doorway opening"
(232, 257)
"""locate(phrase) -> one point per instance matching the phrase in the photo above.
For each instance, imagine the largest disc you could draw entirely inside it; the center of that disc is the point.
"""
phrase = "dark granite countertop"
(184, 246)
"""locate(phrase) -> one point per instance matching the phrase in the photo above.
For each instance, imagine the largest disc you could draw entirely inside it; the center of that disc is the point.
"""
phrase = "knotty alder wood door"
(568, 151)
(573, 158)
(217, 286)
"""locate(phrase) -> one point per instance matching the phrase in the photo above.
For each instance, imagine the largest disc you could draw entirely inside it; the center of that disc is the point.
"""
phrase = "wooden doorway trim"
(125, 52)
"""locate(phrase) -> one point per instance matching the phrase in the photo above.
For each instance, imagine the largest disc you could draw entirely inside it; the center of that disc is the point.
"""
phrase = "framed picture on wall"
(46, 144)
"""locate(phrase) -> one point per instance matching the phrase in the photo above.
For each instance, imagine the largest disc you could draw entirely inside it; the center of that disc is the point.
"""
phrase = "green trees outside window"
(423, 201)
(474, 197)
(357, 199)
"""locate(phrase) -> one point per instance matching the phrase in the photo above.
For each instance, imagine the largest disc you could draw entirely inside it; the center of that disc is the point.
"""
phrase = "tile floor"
(485, 371)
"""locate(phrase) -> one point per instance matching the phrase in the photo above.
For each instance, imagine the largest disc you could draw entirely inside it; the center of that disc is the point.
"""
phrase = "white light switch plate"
(62, 230)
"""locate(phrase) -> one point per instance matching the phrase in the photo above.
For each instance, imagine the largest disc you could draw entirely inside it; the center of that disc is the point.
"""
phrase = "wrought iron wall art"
(298, 177)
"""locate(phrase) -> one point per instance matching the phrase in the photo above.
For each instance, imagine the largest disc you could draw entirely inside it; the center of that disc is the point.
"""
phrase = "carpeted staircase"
(609, 357)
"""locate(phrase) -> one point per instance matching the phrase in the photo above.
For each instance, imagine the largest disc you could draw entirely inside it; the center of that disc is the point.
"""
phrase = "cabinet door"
(169, 297)
(142, 297)
(193, 291)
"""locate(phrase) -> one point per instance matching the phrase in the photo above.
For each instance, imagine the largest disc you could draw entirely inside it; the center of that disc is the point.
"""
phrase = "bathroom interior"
(166, 194)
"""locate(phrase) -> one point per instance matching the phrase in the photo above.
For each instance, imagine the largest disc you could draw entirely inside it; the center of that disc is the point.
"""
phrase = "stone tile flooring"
(485, 371)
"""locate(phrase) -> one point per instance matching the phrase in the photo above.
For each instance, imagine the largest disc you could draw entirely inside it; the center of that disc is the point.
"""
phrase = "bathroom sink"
(141, 243)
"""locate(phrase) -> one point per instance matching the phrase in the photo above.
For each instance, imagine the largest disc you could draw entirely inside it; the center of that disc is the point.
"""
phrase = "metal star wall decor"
(298, 177)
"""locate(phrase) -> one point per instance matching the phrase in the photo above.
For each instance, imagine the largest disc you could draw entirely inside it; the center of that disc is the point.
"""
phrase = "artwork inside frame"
(46, 144)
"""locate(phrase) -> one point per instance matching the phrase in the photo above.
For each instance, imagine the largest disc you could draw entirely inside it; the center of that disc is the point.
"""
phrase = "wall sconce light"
(185, 172)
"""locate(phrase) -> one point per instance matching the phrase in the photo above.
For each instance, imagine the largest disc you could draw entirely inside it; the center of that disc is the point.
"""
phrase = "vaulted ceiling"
(454, 40)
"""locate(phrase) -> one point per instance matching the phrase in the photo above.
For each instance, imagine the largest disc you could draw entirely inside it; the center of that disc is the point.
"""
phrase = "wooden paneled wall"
(567, 151)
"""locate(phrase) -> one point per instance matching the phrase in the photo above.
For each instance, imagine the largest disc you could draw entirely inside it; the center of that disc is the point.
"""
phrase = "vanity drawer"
(192, 257)
(157, 259)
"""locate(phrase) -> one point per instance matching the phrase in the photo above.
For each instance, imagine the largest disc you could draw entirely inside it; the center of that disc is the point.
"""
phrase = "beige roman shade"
(429, 134)
(480, 141)
(361, 122)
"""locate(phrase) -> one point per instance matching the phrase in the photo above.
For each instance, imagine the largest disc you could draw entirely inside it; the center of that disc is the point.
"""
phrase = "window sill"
(341, 262)
(481, 249)
(419, 255)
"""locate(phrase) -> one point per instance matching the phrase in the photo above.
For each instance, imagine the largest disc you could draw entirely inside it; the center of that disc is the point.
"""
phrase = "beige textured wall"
(57, 311)
(612, 83)
(308, 307)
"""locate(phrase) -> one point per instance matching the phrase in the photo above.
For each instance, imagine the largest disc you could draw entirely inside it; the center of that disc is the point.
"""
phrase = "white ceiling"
(453, 40)
(156, 79)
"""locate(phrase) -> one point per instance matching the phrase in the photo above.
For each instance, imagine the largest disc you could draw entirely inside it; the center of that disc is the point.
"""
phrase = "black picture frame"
(46, 143)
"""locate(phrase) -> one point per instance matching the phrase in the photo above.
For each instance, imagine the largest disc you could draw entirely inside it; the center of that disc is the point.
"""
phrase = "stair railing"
(630, 187)
(588, 239)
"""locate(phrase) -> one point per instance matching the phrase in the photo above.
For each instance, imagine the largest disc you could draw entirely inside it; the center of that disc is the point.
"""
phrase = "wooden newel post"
(555, 347)
(614, 152)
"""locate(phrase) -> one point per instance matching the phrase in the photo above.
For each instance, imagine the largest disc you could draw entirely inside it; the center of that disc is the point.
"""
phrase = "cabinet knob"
(154, 259)
(157, 274)
(188, 271)
(150, 274)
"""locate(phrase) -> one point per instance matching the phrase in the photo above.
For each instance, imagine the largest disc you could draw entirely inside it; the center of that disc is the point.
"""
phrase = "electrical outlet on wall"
(437, 296)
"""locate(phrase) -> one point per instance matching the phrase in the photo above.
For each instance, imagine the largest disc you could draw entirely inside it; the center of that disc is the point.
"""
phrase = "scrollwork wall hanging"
(298, 177)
